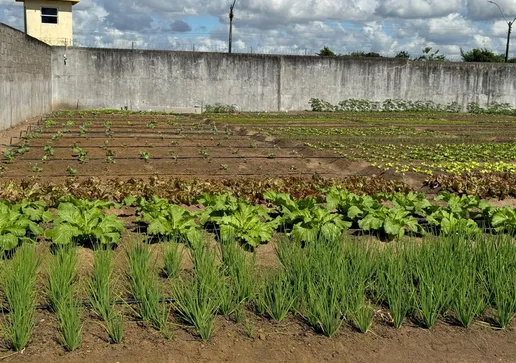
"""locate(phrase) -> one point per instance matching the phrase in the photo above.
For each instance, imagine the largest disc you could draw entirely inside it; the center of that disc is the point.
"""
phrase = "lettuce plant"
(248, 224)
(15, 228)
(84, 224)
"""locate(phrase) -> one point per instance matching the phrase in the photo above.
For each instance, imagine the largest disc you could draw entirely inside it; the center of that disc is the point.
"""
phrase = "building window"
(49, 15)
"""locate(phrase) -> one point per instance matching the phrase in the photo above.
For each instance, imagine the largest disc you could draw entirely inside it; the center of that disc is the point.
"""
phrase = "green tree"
(480, 55)
(326, 52)
(402, 54)
(364, 54)
(431, 57)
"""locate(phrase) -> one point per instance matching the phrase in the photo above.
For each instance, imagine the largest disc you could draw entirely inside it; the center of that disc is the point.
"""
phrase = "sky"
(289, 26)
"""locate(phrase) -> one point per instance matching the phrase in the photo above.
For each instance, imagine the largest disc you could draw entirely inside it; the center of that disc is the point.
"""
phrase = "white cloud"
(386, 26)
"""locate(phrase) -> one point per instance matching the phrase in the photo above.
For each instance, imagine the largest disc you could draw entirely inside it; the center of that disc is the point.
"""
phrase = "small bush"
(220, 108)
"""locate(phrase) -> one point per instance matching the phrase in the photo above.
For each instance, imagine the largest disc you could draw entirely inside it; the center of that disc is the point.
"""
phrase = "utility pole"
(231, 7)
(509, 23)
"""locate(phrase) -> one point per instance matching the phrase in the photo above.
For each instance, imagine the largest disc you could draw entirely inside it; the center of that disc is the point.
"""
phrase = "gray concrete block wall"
(25, 77)
(153, 80)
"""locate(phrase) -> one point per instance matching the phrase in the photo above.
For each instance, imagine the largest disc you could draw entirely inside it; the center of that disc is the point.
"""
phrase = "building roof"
(68, 1)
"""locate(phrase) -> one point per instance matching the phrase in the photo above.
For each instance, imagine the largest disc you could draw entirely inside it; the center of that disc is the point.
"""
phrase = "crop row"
(399, 105)
(349, 131)
(326, 284)
(426, 159)
(386, 215)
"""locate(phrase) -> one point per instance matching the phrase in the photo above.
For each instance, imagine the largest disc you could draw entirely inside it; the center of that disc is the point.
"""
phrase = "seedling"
(37, 169)
(151, 124)
(48, 123)
(83, 130)
(224, 166)
(48, 150)
(144, 155)
(271, 156)
(3, 169)
(22, 149)
(9, 155)
(71, 171)
(57, 136)
(83, 157)
(69, 123)
(110, 160)
(204, 154)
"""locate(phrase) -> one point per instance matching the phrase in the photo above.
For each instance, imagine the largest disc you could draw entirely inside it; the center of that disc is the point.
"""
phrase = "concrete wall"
(107, 78)
(25, 77)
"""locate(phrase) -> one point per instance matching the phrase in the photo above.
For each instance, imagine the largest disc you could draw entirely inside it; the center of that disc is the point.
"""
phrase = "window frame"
(49, 16)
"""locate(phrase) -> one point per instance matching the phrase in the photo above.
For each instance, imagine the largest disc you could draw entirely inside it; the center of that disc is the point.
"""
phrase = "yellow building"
(49, 20)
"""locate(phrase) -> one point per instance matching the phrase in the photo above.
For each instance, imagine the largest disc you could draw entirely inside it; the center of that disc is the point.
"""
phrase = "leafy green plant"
(305, 219)
(216, 206)
(503, 219)
(449, 222)
(49, 123)
(393, 222)
(22, 149)
(90, 225)
(166, 220)
(58, 135)
(9, 155)
(144, 155)
(36, 211)
(15, 228)
(71, 171)
(247, 224)
(48, 150)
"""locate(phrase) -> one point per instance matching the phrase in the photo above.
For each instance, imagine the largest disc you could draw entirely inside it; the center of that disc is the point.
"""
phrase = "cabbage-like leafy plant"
(248, 224)
(84, 225)
(15, 228)
(216, 206)
(393, 222)
(503, 219)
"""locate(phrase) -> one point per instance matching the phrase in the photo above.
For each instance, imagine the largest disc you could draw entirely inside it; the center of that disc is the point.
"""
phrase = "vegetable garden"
(229, 233)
